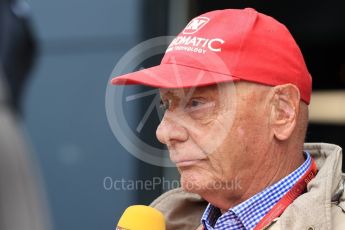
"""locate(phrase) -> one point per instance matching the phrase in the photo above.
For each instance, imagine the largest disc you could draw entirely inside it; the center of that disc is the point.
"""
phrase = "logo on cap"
(195, 25)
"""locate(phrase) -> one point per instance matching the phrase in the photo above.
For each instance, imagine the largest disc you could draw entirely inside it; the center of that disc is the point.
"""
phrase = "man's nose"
(171, 130)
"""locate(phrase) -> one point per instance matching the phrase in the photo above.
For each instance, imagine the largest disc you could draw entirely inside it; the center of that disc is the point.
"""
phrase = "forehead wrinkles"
(185, 91)
(174, 93)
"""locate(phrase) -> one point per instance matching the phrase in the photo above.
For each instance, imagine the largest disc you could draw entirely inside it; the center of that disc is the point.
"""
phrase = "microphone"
(141, 217)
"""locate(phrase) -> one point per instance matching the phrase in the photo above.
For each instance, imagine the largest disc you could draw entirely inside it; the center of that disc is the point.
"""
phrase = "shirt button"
(311, 228)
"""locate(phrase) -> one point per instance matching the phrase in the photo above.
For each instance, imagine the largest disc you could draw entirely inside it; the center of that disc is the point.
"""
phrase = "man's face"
(213, 134)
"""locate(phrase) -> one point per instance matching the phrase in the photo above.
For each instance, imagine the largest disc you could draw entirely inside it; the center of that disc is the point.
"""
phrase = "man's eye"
(199, 104)
(195, 103)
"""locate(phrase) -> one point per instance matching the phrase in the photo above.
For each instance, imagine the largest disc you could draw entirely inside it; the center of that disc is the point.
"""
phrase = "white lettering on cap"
(196, 42)
(215, 40)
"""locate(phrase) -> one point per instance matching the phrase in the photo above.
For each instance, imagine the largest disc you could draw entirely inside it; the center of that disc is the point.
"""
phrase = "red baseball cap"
(228, 45)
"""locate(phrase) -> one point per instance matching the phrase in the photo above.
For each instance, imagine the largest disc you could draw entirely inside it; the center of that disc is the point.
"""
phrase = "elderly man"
(236, 92)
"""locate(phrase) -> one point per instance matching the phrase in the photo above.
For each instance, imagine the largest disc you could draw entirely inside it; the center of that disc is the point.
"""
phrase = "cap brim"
(172, 76)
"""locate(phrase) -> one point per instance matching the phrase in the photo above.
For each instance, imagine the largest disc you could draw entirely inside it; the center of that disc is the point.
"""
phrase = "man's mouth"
(185, 163)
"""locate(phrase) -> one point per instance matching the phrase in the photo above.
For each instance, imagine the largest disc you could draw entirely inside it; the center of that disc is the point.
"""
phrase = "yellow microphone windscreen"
(141, 217)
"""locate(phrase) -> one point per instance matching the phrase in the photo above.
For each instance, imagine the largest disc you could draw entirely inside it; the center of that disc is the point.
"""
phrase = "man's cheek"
(240, 131)
(215, 136)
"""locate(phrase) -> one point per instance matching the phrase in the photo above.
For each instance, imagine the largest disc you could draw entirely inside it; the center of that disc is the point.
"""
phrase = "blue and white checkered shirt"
(246, 215)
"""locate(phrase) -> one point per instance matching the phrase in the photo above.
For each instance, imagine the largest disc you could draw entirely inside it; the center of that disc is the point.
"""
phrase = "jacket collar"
(313, 208)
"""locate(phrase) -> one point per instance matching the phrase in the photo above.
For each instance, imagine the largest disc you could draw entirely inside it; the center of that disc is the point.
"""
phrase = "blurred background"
(56, 60)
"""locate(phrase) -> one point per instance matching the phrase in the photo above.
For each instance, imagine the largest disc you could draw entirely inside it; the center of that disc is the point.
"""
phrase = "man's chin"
(192, 183)
(192, 188)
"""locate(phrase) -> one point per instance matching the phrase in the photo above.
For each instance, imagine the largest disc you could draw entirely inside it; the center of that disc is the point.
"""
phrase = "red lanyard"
(289, 197)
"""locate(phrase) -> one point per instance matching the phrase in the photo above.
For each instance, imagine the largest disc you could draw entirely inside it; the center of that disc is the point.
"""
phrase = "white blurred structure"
(327, 107)
(22, 200)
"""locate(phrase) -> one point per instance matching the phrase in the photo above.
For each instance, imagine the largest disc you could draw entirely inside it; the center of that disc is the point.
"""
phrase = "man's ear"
(285, 109)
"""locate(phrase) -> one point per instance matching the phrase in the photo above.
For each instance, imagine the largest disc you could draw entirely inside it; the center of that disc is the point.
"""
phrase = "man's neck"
(262, 178)
(287, 166)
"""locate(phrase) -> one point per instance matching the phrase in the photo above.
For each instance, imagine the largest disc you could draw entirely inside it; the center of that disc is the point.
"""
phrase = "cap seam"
(244, 37)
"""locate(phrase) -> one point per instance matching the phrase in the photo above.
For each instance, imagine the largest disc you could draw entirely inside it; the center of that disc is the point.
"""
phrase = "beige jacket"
(322, 207)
